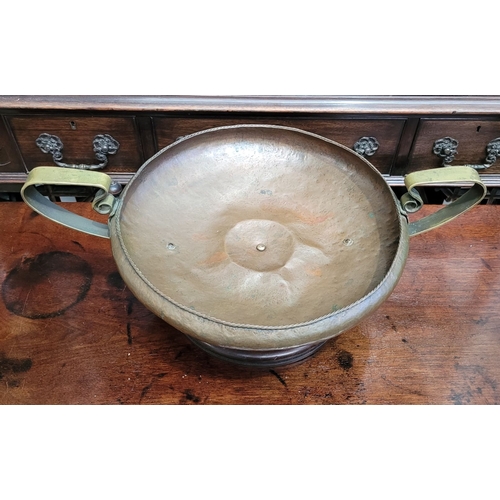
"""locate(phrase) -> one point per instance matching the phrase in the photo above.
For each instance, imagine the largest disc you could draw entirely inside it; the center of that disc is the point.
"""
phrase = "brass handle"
(412, 201)
(446, 148)
(103, 145)
(366, 146)
(104, 202)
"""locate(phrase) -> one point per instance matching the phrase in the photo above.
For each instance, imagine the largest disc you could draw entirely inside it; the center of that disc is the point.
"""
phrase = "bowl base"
(260, 359)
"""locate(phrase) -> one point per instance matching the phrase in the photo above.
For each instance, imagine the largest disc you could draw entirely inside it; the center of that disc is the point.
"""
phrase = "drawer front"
(472, 135)
(10, 160)
(77, 135)
(346, 132)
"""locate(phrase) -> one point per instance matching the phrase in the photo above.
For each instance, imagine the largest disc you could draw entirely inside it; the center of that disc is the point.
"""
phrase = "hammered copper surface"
(259, 225)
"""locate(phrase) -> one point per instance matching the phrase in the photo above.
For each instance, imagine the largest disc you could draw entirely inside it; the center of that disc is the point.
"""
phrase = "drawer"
(344, 131)
(10, 160)
(472, 135)
(77, 134)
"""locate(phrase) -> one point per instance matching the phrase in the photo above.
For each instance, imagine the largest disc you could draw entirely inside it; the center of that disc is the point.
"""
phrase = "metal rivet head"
(171, 246)
(115, 188)
(347, 242)
(260, 247)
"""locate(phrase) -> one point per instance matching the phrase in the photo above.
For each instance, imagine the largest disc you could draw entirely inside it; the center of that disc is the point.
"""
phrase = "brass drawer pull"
(366, 146)
(103, 144)
(446, 148)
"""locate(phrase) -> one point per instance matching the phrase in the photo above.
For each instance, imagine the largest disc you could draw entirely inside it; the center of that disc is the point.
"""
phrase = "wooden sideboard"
(406, 128)
(76, 334)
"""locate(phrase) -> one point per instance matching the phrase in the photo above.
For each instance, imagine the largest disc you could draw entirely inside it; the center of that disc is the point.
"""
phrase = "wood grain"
(472, 135)
(10, 160)
(415, 105)
(346, 132)
(400, 123)
(72, 333)
(77, 134)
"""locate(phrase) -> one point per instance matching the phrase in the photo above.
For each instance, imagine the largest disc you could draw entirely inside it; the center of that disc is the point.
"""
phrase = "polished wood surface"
(10, 160)
(432, 105)
(72, 333)
(472, 135)
(144, 124)
(346, 132)
(77, 134)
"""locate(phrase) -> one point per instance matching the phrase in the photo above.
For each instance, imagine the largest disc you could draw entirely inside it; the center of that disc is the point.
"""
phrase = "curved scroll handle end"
(104, 202)
(412, 202)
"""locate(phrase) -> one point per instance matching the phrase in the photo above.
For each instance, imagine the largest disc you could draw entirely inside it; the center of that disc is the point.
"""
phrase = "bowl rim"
(401, 252)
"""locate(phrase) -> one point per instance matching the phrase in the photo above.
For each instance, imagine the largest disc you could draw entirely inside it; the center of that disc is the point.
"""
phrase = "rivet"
(115, 188)
(171, 246)
(260, 247)
(348, 242)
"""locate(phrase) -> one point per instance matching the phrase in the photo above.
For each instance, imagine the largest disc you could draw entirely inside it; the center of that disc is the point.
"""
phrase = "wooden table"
(72, 333)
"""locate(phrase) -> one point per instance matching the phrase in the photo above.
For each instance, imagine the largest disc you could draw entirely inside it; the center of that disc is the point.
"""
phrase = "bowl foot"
(260, 359)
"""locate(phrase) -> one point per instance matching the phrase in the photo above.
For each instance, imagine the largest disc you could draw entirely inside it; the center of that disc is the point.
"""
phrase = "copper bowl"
(258, 242)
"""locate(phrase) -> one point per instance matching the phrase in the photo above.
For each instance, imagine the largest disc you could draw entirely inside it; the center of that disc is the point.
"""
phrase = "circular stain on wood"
(47, 285)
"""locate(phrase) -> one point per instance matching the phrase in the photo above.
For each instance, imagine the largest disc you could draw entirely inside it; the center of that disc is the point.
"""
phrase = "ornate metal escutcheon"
(446, 148)
(103, 144)
(492, 152)
(366, 146)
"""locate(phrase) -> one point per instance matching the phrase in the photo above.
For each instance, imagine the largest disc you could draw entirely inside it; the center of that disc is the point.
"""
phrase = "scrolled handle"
(104, 202)
(103, 144)
(412, 201)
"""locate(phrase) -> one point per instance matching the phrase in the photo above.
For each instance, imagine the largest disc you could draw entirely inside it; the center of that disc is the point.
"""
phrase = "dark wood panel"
(72, 333)
(147, 135)
(10, 160)
(346, 132)
(405, 144)
(132, 120)
(77, 134)
(473, 136)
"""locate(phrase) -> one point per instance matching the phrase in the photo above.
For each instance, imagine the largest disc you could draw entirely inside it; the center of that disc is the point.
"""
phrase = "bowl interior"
(259, 225)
